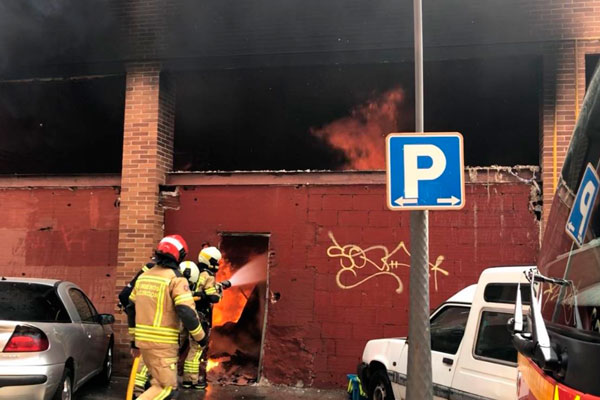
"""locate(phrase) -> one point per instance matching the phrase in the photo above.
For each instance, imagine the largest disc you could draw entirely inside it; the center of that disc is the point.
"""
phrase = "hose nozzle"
(226, 284)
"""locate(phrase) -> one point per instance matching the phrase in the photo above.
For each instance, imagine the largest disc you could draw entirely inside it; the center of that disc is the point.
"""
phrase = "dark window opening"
(83, 306)
(31, 302)
(494, 339)
(506, 293)
(494, 103)
(448, 328)
(62, 127)
(591, 63)
(336, 117)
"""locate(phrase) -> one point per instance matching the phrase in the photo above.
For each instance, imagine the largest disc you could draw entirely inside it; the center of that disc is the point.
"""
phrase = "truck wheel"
(379, 386)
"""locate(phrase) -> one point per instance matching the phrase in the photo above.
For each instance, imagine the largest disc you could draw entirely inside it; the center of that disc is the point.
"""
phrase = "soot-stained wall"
(320, 314)
(62, 233)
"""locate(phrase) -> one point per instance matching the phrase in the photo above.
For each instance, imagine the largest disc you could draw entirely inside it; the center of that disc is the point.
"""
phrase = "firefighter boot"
(201, 384)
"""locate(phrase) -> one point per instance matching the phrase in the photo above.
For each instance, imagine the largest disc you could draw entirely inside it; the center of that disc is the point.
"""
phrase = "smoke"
(253, 272)
(361, 136)
(37, 32)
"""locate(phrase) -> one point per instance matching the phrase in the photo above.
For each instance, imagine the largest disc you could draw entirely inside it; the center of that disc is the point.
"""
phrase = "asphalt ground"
(117, 390)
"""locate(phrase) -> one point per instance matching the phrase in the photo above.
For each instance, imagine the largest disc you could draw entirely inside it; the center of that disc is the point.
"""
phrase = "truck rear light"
(26, 339)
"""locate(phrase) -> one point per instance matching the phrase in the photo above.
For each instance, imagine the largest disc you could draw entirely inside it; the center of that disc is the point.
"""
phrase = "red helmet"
(173, 246)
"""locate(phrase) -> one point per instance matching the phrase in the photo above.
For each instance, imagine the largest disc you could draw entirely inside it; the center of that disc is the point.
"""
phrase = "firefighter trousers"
(142, 376)
(162, 366)
(191, 365)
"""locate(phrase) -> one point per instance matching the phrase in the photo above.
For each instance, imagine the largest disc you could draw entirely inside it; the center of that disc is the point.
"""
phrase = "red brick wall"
(62, 233)
(316, 331)
(564, 19)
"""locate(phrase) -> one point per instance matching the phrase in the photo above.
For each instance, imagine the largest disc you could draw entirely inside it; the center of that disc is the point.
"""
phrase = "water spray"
(253, 271)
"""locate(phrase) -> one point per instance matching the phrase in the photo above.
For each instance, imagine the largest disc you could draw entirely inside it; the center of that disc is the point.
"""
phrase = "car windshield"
(30, 302)
(569, 252)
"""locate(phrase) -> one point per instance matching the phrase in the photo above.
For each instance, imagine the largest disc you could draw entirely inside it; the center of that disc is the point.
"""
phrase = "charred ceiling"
(314, 30)
(38, 37)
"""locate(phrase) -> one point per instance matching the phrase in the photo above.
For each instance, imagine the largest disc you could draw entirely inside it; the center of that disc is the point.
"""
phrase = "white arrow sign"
(401, 201)
(451, 200)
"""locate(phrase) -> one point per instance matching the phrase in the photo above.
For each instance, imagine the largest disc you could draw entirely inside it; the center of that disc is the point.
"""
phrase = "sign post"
(419, 385)
(422, 176)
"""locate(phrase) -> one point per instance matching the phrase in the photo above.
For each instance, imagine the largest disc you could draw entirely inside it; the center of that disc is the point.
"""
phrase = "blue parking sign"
(579, 218)
(425, 171)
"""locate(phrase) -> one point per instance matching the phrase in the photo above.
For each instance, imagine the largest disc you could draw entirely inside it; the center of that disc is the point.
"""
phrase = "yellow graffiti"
(353, 258)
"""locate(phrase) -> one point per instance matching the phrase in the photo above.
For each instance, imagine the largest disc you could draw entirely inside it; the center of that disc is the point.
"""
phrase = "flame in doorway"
(361, 136)
(230, 308)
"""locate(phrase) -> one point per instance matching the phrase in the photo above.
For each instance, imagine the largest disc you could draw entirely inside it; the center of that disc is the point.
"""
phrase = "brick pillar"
(559, 114)
(147, 157)
(564, 90)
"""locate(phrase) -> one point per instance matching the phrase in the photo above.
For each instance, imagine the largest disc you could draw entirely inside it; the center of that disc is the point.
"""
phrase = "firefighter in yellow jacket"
(141, 376)
(207, 292)
(160, 300)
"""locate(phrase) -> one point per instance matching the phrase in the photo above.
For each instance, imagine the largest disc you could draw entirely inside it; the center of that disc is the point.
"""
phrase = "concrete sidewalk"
(118, 388)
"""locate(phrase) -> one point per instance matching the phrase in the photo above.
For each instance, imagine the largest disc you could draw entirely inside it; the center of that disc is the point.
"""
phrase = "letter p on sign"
(413, 174)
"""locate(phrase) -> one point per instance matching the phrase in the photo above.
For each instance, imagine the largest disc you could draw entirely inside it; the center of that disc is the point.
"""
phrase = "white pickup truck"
(472, 354)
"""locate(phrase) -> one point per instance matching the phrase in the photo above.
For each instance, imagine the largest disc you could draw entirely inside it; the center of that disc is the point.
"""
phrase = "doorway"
(236, 339)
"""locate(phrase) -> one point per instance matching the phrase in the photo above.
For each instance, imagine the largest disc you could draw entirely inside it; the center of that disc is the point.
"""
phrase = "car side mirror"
(106, 319)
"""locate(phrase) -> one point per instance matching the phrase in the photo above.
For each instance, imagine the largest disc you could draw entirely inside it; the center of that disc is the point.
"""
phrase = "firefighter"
(141, 376)
(207, 292)
(190, 270)
(160, 300)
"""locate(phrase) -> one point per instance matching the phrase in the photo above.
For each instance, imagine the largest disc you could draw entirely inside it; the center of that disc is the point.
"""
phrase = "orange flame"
(230, 308)
(210, 364)
(361, 135)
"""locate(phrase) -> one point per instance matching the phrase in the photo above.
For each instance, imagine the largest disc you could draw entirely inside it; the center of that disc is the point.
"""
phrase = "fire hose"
(131, 384)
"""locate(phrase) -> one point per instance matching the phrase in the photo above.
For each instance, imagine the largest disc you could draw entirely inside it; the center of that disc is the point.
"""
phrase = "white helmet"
(210, 257)
(190, 270)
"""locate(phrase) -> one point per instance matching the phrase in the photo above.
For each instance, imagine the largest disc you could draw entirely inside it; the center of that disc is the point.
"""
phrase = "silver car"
(52, 339)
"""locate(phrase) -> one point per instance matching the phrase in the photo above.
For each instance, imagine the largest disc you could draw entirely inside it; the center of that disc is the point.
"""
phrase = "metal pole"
(419, 385)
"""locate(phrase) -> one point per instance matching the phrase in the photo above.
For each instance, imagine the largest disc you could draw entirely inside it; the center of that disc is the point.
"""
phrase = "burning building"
(260, 126)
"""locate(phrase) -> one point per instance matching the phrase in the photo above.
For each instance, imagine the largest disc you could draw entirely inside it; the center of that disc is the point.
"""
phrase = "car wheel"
(379, 386)
(65, 388)
(107, 366)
